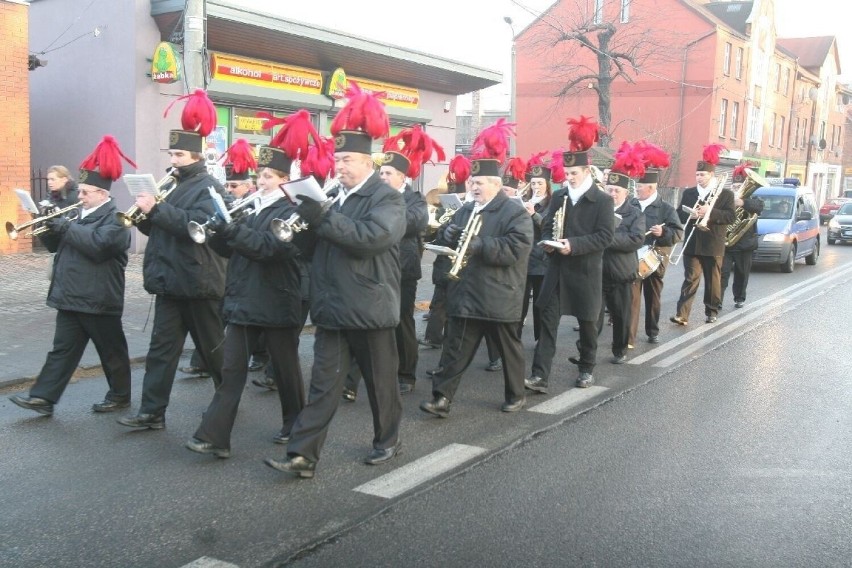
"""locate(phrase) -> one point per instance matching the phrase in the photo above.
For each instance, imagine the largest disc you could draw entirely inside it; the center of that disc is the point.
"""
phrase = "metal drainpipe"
(683, 89)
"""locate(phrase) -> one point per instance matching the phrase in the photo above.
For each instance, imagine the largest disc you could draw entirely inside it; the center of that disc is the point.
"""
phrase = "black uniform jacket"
(355, 272)
(66, 196)
(491, 286)
(751, 205)
(538, 258)
(659, 212)
(712, 242)
(588, 227)
(619, 258)
(410, 247)
(175, 265)
(88, 269)
(263, 285)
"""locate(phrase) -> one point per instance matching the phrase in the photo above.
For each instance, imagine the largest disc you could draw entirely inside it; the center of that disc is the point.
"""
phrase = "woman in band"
(262, 296)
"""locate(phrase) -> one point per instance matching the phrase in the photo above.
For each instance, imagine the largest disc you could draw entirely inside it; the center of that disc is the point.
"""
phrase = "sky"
(474, 31)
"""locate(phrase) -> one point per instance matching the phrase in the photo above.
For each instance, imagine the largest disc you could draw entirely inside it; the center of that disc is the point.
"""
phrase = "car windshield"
(845, 209)
(776, 206)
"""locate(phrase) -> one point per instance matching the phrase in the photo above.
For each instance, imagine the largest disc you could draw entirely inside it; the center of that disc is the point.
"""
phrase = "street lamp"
(512, 102)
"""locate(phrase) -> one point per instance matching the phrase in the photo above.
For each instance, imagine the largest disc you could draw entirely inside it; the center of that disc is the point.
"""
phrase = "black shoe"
(618, 359)
(378, 457)
(33, 403)
(405, 388)
(719, 307)
(710, 319)
(152, 421)
(495, 365)
(426, 316)
(265, 383)
(256, 363)
(203, 447)
(435, 371)
(281, 437)
(513, 406)
(197, 371)
(297, 464)
(678, 320)
(109, 406)
(349, 394)
(653, 339)
(739, 304)
(428, 344)
(439, 406)
(585, 380)
(536, 384)
(573, 359)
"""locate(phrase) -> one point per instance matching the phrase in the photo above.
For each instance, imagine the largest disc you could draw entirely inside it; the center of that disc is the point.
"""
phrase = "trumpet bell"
(281, 230)
(197, 232)
(126, 219)
(11, 230)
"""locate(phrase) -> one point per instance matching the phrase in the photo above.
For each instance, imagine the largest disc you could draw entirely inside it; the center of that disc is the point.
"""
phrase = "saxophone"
(471, 229)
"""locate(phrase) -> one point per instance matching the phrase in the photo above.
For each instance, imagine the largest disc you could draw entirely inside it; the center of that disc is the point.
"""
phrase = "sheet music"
(450, 201)
(139, 183)
(27, 201)
(437, 249)
(554, 244)
(306, 186)
(219, 204)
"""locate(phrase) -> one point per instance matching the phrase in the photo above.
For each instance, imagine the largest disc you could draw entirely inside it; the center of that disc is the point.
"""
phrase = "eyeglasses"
(233, 184)
(90, 191)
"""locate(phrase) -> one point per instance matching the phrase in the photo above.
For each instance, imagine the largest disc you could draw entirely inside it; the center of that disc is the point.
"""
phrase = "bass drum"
(649, 261)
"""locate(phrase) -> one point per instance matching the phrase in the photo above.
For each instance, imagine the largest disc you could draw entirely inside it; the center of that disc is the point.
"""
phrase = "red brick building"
(15, 133)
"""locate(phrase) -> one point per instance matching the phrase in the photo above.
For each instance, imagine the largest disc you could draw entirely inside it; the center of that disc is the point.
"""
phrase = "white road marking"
(568, 399)
(207, 562)
(420, 471)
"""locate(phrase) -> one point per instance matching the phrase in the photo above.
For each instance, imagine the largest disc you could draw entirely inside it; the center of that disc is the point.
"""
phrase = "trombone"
(12, 230)
(165, 186)
(701, 224)
(199, 232)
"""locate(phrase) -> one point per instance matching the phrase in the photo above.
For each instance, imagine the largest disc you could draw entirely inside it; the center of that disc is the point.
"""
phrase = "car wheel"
(832, 241)
(812, 258)
(787, 267)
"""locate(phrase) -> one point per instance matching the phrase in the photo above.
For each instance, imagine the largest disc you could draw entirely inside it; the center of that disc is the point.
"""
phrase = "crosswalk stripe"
(207, 562)
(568, 399)
(420, 471)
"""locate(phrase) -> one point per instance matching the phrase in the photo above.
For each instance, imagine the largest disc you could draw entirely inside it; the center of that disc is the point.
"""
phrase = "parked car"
(829, 208)
(840, 227)
(788, 228)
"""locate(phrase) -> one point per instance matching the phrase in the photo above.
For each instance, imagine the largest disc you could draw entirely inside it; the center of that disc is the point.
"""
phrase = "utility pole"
(193, 45)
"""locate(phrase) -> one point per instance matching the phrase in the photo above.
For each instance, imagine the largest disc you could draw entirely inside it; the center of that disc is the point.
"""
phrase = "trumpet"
(471, 229)
(702, 223)
(199, 232)
(559, 220)
(12, 230)
(165, 186)
(284, 229)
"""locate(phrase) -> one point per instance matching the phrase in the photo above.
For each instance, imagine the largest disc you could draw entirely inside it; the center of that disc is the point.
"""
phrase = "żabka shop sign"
(265, 74)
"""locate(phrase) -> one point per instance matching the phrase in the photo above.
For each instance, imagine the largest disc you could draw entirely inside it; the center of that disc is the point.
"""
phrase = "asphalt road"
(738, 428)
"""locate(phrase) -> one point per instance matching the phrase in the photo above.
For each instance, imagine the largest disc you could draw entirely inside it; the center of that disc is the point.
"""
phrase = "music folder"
(306, 186)
(450, 201)
(554, 244)
(438, 249)
(27, 201)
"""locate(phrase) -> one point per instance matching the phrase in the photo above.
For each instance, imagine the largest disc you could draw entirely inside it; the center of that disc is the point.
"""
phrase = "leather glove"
(452, 232)
(58, 225)
(217, 224)
(475, 246)
(310, 210)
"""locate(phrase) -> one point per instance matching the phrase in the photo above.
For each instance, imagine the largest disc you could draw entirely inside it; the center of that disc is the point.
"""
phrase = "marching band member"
(664, 230)
(485, 299)
(738, 256)
(187, 279)
(355, 281)
(619, 258)
(573, 282)
(704, 252)
(87, 288)
(253, 307)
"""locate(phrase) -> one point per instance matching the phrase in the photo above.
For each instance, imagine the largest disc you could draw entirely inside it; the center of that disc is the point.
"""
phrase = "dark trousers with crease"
(533, 289)
(545, 348)
(406, 335)
(282, 344)
(463, 338)
(72, 334)
(738, 262)
(375, 352)
(173, 319)
(437, 315)
(651, 288)
(617, 298)
(694, 267)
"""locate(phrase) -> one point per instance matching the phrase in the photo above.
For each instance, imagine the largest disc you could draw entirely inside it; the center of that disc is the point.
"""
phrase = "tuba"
(12, 230)
(165, 186)
(471, 229)
(744, 220)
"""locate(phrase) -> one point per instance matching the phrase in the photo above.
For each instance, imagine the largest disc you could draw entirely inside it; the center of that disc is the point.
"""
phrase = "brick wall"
(15, 130)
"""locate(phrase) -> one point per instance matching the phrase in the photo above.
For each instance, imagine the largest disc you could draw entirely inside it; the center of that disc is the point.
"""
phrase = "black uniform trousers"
(694, 266)
(618, 299)
(375, 352)
(533, 288)
(545, 348)
(738, 262)
(406, 334)
(651, 289)
(437, 315)
(72, 334)
(173, 318)
(282, 344)
(463, 338)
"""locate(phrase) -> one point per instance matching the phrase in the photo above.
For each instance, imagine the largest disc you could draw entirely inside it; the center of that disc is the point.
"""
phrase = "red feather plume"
(557, 167)
(199, 114)
(493, 142)
(629, 161)
(583, 132)
(241, 156)
(711, 153)
(654, 156)
(516, 168)
(459, 169)
(417, 146)
(363, 111)
(296, 134)
(536, 160)
(319, 161)
(106, 159)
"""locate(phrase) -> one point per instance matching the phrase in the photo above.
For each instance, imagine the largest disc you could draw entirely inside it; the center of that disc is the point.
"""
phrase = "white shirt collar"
(646, 202)
(345, 193)
(86, 212)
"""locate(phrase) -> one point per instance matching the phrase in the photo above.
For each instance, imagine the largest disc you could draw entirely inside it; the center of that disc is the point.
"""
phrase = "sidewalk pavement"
(26, 334)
